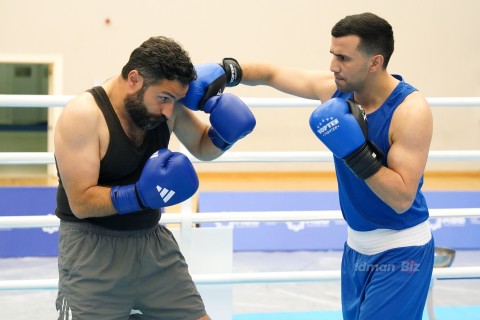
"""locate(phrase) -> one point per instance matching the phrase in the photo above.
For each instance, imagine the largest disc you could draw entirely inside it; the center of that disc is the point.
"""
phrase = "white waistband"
(379, 240)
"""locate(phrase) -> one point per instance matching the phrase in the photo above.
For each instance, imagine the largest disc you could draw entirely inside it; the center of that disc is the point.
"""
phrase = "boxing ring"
(187, 220)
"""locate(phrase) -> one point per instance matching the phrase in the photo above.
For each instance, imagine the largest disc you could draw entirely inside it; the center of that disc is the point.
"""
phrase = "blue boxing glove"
(230, 118)
(167, 178)
(211, 81)
(341, 125)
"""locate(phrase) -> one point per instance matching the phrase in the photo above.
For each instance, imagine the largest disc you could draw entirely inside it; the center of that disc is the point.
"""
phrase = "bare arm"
(410, 137)
(77, 152)
(302, 83)
(193, 134)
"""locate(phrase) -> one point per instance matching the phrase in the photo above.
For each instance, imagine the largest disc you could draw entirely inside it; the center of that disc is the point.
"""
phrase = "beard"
(139, 114)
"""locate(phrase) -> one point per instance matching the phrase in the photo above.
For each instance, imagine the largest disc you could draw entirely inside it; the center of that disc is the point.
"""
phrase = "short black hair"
(376, 34)
(160, 58)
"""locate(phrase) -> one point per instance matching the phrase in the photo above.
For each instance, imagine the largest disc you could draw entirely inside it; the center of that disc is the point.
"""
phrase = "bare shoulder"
(414, 109)
(80, 118)
(412, 117)
(82, 109)
(82, 104)
(415, 102)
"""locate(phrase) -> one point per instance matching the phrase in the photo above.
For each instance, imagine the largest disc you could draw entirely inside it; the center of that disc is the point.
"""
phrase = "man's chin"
(344, 89)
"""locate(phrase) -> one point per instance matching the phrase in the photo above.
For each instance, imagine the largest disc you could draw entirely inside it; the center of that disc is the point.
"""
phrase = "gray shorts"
(104, 274)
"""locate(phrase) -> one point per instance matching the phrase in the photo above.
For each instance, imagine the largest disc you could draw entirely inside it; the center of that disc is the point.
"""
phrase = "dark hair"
(160, 58)
(376, 34)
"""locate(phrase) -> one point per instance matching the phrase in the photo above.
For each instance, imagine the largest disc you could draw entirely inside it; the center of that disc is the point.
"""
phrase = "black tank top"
(121, 165)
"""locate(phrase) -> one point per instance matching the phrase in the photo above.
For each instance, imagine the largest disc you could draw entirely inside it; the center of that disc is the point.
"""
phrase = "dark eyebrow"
(338, 54)
(167, 94)
(335, 54)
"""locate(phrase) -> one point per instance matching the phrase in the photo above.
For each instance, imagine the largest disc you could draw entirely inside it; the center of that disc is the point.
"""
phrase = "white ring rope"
(41, 221)
(42, 158)
(455, 273)
(187, 219)
(41, 101)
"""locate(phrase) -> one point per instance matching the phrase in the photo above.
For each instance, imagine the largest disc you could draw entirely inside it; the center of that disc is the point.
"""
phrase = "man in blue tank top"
(116, 173)
(379, 129)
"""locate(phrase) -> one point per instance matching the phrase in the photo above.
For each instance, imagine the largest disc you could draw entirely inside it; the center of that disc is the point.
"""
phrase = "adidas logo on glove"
(172, 169)
(165, 193)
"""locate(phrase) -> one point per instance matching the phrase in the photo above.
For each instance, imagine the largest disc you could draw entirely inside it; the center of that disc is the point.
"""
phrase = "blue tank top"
(362, 209)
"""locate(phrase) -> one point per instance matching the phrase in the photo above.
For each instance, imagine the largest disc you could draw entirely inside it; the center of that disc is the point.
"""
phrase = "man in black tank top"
(116, 173)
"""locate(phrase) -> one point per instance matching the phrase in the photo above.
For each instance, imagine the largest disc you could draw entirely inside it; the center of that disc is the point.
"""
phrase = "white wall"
(437, 50)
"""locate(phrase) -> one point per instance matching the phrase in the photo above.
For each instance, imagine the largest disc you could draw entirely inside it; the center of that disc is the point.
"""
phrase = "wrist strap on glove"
(233, 71)
(218, 140)
(125, 199)
(365, 161)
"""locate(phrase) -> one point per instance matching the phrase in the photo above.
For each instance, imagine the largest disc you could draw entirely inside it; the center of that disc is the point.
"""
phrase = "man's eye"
(163, 99)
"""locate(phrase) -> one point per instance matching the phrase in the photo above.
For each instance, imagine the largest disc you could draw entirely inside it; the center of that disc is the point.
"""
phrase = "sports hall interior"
(61, 48)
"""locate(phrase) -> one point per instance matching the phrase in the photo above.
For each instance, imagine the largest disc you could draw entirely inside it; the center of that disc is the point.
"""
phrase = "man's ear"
(376, 62)
(135, 80)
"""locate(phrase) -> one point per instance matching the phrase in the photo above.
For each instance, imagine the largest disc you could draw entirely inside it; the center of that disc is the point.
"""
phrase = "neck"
(376, 91)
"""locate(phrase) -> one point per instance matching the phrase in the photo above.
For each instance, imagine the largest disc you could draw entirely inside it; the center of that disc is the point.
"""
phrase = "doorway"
(23, 129)
(28, 129)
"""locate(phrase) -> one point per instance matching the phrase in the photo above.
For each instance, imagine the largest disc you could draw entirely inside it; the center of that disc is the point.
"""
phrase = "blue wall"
(456, 233)
(28, 201)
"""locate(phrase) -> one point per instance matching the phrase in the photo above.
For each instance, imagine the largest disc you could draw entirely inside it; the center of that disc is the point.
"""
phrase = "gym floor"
(250, 301)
